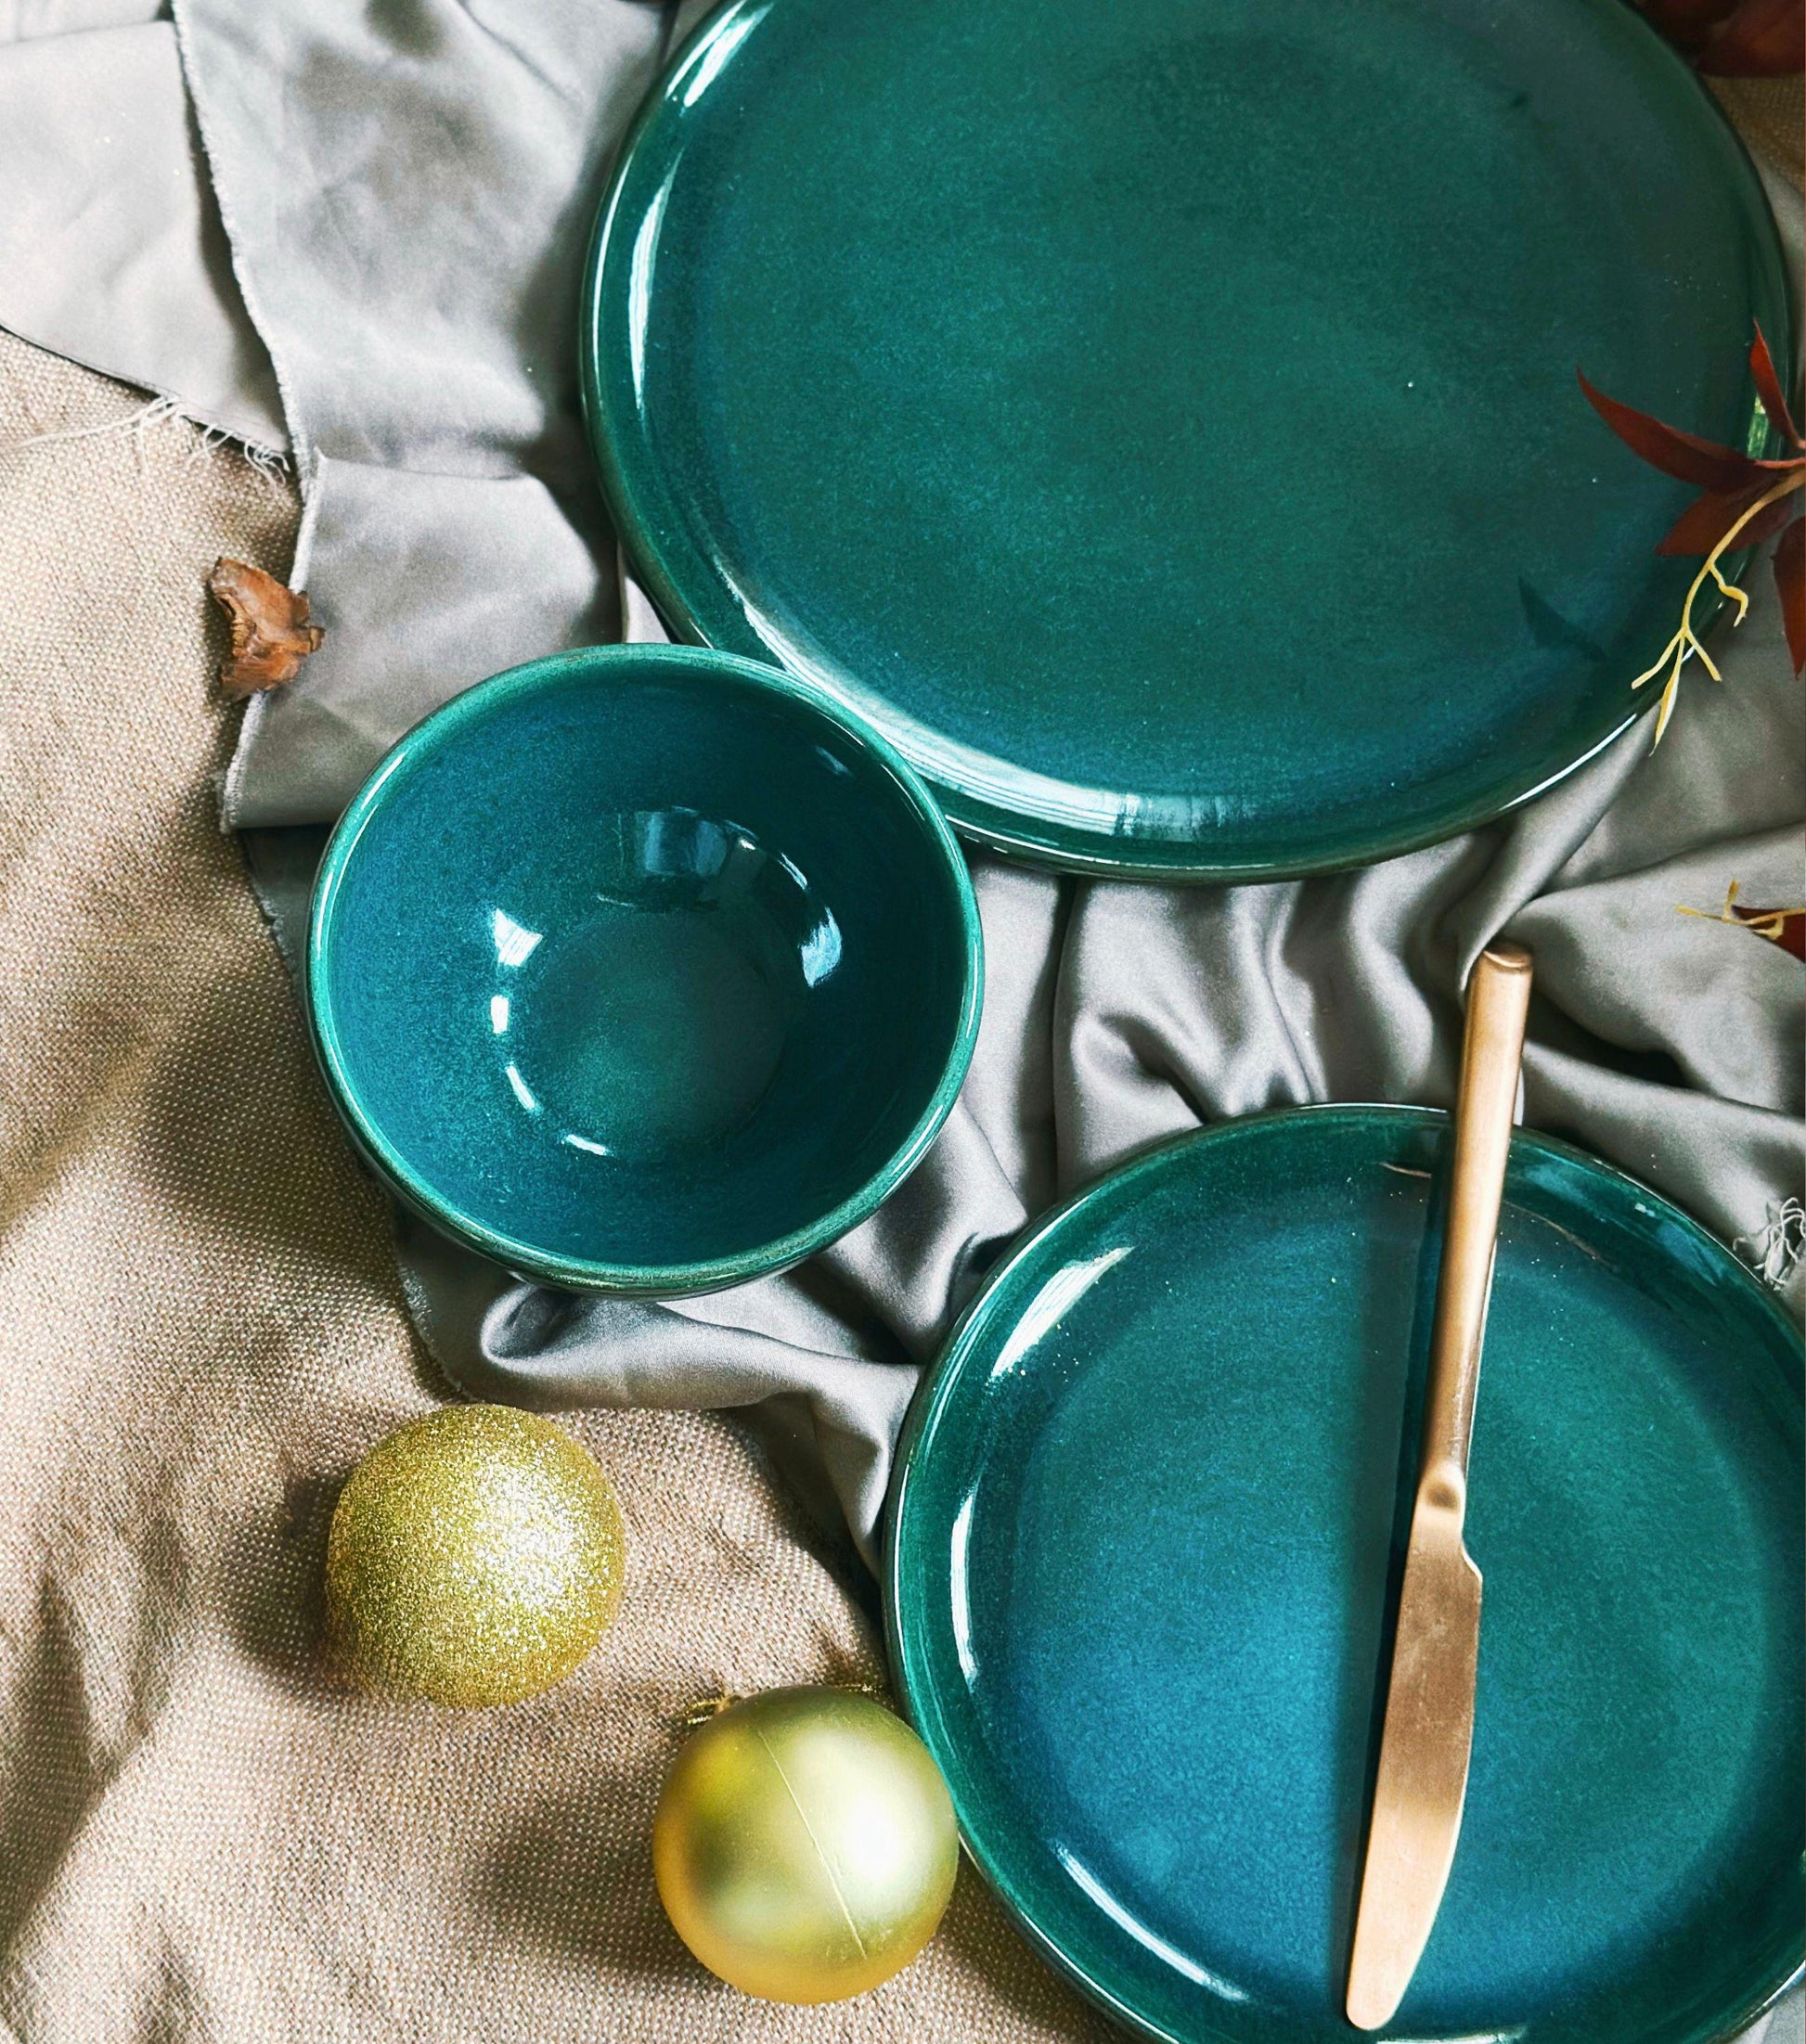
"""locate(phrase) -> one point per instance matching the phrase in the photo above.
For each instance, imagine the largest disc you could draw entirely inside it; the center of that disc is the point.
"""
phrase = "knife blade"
(1421, 1788)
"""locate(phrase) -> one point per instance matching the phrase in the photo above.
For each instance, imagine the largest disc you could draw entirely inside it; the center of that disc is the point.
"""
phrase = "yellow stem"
(1794, 479)
(1686, 640)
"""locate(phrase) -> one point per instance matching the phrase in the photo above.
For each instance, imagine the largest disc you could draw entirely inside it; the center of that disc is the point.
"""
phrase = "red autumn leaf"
(271, 635)
(1687, 23)
(1768, 388)
(1759, 39)
(1786, 927)
(1745, 501)
(1707, 518)
(1733, 38)
(1790, 579)
(1684, 455)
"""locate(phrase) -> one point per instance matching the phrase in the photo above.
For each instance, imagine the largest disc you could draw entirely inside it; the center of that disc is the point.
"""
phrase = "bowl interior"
(638, 959)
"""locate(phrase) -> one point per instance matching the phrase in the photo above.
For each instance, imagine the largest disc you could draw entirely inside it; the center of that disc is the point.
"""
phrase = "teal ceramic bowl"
(644, 969)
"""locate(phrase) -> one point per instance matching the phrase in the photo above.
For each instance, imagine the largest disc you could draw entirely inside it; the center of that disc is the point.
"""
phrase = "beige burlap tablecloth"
(200, 1331)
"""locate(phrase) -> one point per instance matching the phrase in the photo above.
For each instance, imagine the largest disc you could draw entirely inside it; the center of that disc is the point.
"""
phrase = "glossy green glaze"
(1160, 417)
(1151, 1512)
(644, 969)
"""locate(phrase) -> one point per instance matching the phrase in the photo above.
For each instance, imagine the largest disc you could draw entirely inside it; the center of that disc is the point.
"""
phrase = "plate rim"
(1041, 840)
(585, 1274)
(938, 1385)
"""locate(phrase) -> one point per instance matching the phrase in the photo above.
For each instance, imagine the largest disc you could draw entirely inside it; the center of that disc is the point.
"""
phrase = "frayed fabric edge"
(1774, 1250)
(271, 463)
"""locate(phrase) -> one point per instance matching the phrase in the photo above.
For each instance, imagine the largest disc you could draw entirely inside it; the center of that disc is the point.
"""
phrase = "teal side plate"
(1150, 1517)
(644, 969)
(1159, 417)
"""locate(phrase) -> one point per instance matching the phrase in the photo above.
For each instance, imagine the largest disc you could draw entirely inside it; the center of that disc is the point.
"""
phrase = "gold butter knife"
(1429, 1706)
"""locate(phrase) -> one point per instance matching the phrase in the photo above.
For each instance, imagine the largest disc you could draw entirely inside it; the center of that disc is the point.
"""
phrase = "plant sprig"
(1743, 501)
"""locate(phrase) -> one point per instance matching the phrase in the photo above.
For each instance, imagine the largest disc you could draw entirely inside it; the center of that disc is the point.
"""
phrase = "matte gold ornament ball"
(476, 1556)
(805, 1845)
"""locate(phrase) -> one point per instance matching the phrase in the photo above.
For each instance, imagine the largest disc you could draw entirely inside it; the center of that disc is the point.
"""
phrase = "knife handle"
(1498, 1000)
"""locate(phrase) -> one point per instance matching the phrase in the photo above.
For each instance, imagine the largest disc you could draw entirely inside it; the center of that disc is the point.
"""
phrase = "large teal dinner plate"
(1149, 1519)
(1159, 416)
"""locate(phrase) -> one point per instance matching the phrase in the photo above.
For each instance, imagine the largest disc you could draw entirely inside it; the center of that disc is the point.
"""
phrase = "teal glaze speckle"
(1153, 1506)
(1159, 417)
(644, 968)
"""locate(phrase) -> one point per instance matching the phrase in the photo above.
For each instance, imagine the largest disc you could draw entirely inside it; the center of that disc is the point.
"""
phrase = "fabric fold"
(112, 250)
(389, 535)
(412, 255)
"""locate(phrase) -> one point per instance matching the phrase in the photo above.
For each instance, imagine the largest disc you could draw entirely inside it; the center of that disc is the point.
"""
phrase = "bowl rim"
(485, 698)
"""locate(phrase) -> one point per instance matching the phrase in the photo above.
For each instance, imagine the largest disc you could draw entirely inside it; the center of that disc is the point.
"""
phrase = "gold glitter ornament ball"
(805, 1845)
(475, 1557)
